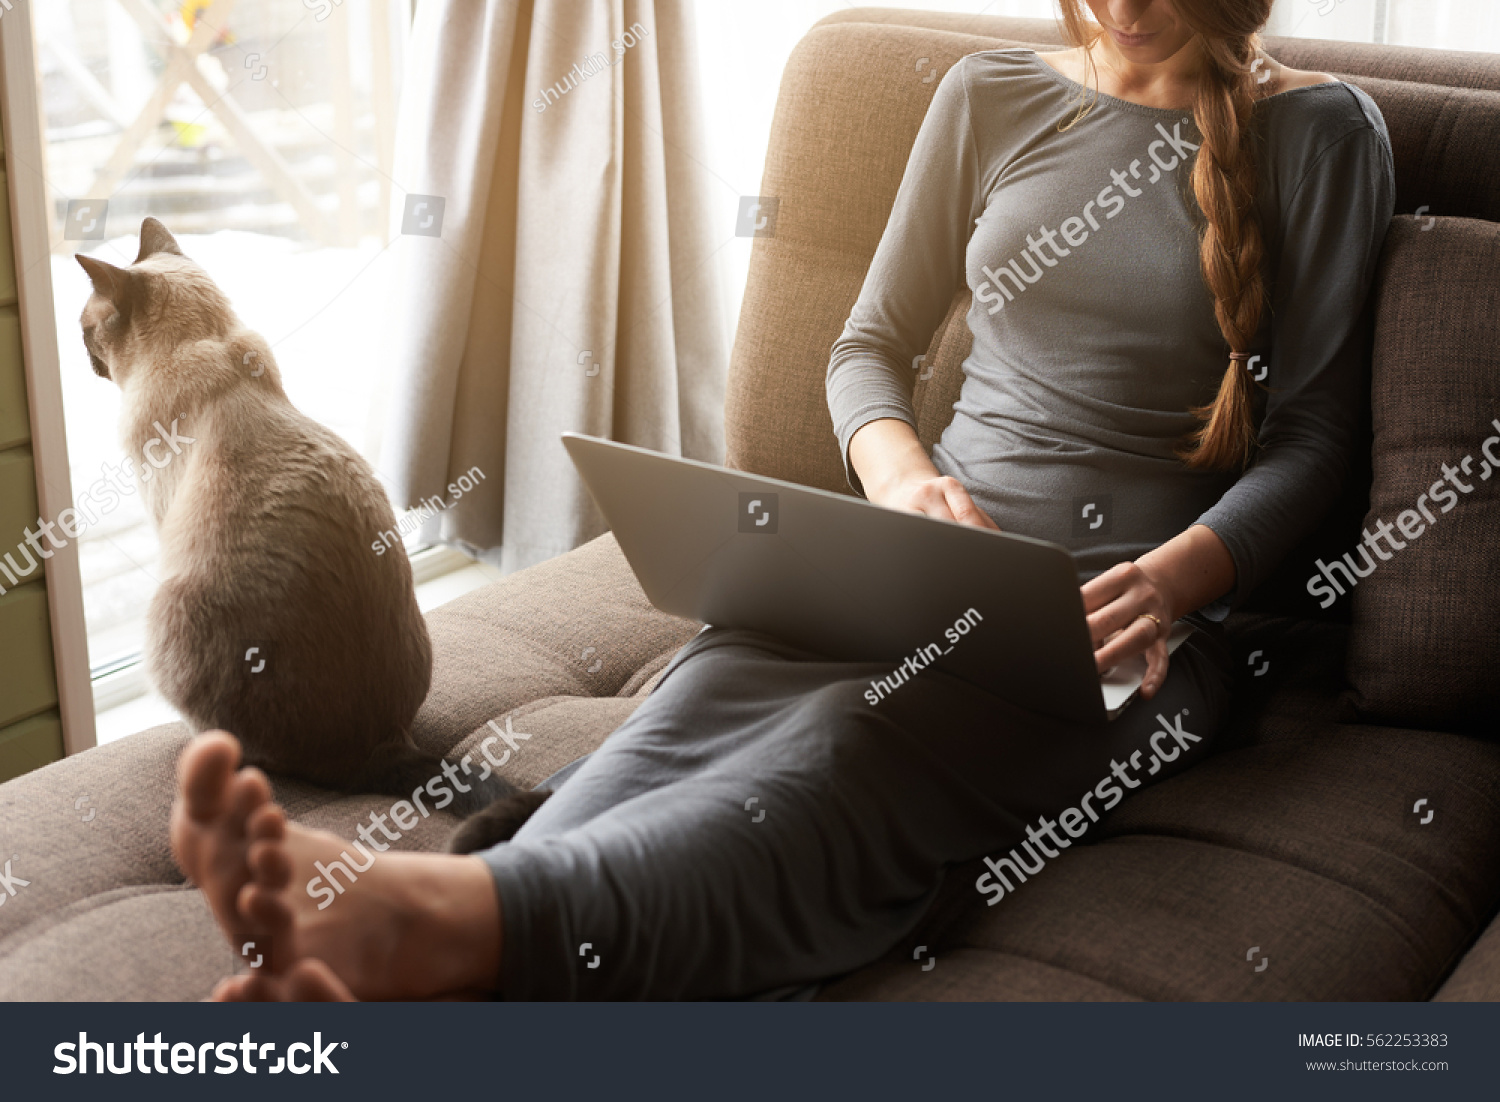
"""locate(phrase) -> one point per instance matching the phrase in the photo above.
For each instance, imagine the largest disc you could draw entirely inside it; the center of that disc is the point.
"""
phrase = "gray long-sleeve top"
(1094, 332)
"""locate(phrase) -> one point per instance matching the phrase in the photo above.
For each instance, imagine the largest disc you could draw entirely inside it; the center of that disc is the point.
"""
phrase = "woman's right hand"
(939, 496)
(896, 472)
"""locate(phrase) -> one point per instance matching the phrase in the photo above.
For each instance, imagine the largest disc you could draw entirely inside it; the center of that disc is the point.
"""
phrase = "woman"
(1169, 239)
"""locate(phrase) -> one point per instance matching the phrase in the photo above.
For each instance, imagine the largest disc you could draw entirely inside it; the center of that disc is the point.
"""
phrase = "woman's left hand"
(1120, 604)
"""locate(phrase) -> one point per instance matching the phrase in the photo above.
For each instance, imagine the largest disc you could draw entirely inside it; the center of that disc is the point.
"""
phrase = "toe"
(270, 916)
(270, 865)
(236, 989)
(204, 771)
(313, 981)
(248, 792)
(266, 823)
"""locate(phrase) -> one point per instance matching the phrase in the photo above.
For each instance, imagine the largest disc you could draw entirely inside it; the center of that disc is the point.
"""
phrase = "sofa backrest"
(852, 99)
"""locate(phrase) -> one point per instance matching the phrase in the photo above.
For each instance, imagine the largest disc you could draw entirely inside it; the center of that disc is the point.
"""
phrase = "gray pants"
(757, 825)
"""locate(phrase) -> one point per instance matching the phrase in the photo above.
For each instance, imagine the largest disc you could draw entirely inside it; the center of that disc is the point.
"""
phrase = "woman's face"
(1145, 31)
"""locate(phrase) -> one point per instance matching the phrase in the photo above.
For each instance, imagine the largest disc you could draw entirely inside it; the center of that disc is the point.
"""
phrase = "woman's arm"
(1333, 228)
(897, 472)
(1181, 576)
(908, 289)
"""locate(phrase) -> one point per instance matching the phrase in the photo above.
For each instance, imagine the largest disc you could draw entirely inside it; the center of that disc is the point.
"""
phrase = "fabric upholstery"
(1454, 68)
(1298, 837)
(101, 889)
(527, 638)
(1424, 647)
(969, 975)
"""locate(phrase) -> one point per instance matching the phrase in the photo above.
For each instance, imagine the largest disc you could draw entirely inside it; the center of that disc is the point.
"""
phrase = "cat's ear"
(115, 284)
(155, 238)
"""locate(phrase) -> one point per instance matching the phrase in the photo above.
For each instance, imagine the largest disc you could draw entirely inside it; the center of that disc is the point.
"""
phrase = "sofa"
(1343, 845)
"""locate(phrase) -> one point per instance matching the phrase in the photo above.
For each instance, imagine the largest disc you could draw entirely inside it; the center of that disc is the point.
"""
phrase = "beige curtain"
(553, 147)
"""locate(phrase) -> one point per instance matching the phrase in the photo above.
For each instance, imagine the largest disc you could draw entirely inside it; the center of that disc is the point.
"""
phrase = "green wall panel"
(18, 512)
(30, 744)
(7, 251)
(15, 427)
(28, 681)
(30, 728)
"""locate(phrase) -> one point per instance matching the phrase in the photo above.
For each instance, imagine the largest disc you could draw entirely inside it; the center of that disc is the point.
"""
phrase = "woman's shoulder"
(1014, 64)
(1316, 115)
(1318, 106)
(1015, 78)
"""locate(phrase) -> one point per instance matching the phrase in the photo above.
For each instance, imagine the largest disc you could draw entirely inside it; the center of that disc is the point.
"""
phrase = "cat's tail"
(401, 769)
(498, 822)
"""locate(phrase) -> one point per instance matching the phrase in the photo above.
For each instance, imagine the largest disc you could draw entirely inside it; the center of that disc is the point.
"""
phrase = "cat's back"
(271, 473)
(267, 540)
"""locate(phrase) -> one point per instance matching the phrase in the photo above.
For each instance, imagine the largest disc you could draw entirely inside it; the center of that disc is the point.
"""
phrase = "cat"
(274, 619)
(496, 823)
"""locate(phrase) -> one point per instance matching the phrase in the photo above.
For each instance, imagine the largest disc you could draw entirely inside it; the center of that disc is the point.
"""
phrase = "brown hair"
(1224, 183)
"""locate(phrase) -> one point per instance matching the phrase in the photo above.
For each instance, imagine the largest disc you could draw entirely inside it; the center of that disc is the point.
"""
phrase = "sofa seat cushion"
(141, 944)
(574, 626)
(969, 975)
(555, 657)
(1306, 850)
(106, 913)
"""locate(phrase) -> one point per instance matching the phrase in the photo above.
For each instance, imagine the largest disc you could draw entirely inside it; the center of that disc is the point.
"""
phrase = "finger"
(1109, 586)
(1157, 661)
(1125, 645)
(932, 502)
(965, 511)
(1119, 615)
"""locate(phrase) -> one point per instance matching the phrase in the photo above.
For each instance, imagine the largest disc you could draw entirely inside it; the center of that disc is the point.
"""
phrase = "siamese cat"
(274, 619)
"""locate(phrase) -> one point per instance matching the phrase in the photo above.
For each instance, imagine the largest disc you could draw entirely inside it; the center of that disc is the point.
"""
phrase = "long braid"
(1225, 180)
(1224, 183)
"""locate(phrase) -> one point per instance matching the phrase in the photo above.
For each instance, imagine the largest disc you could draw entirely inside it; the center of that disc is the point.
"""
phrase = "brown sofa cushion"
(574, 626)
(1304, 848)
(1424, 648)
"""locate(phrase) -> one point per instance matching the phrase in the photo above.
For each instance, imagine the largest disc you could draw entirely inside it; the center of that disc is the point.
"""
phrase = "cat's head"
(140, 313)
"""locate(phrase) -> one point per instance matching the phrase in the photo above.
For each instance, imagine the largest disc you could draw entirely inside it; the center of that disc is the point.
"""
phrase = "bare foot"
(307, 981)
(412, 926)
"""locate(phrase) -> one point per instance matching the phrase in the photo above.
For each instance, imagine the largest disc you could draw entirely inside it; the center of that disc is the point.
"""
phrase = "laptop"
(854, 581)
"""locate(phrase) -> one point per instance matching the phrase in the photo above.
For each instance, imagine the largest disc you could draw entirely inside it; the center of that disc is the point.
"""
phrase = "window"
(264, 139)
